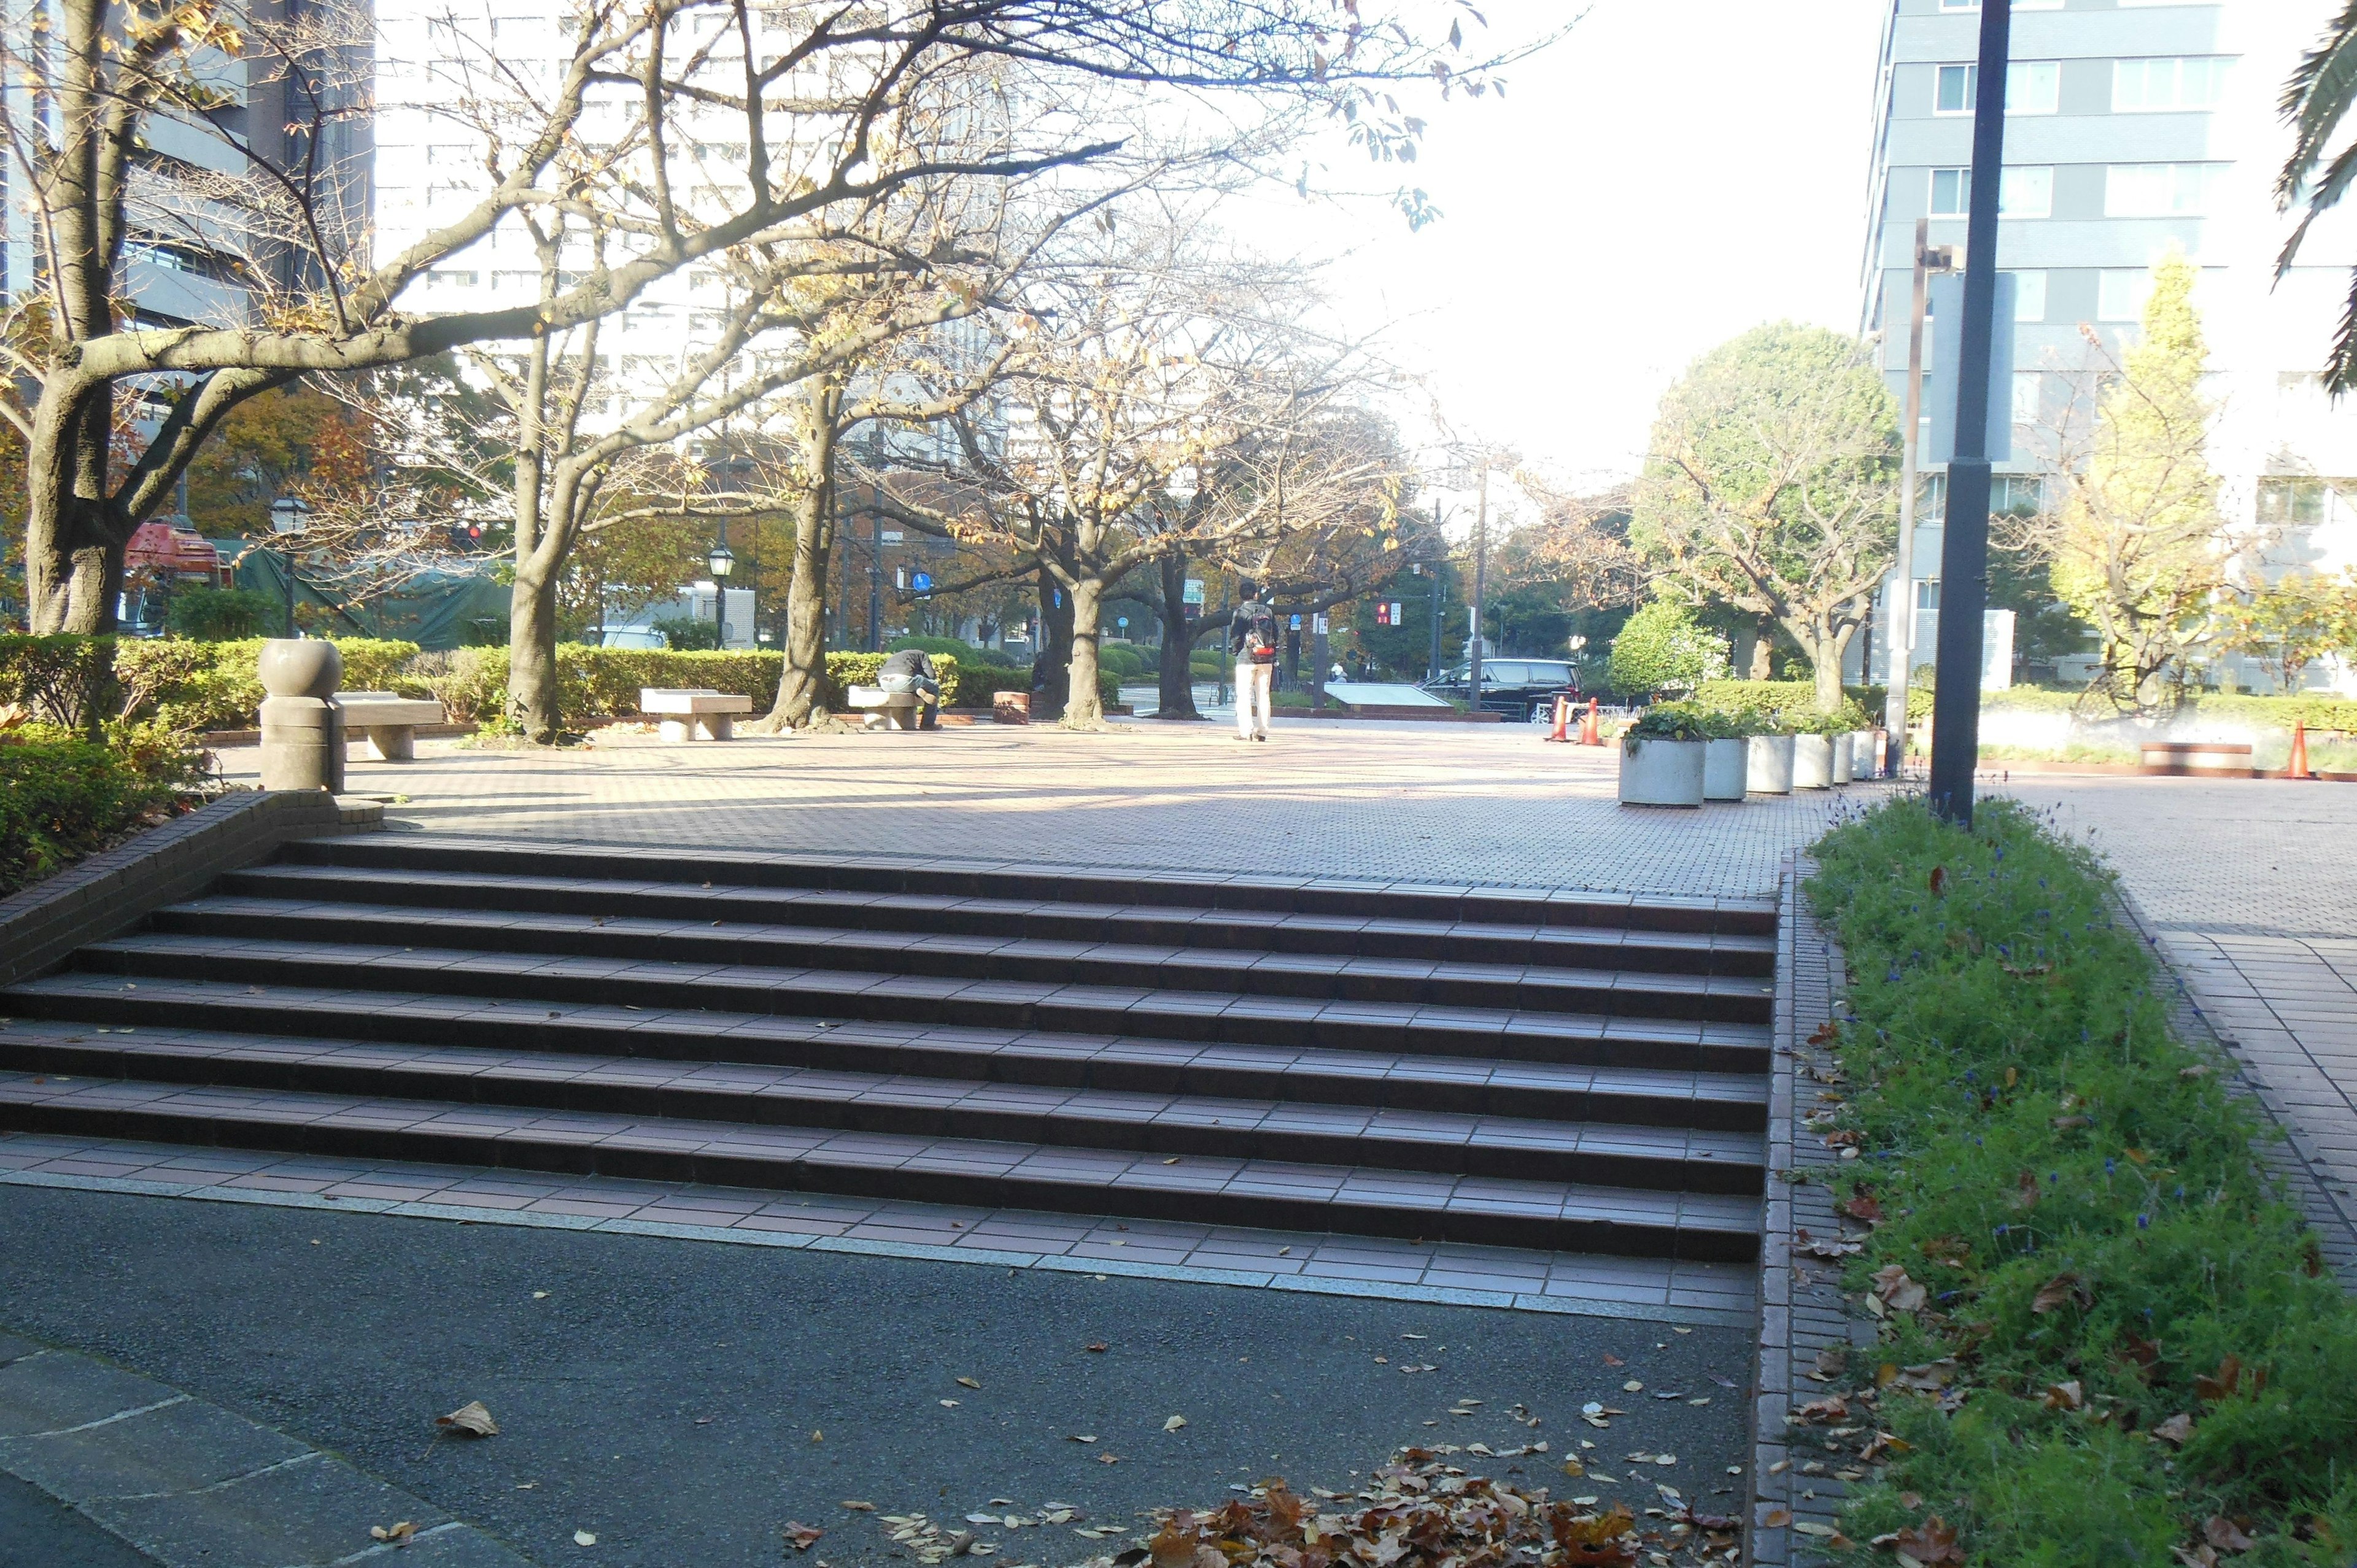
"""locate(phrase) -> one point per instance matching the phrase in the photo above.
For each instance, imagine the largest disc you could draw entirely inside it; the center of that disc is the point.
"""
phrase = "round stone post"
(302, 733)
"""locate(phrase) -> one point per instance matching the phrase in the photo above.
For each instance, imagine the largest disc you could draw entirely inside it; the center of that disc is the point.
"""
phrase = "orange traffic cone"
(1562, 719)
(2298, 766)
(1591, 728)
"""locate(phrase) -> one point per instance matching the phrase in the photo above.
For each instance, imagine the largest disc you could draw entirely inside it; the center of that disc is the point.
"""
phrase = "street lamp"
(289, 515)
(722, 562)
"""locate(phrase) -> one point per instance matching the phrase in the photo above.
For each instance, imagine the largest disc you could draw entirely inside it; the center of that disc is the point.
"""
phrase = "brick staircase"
(1573, 1072)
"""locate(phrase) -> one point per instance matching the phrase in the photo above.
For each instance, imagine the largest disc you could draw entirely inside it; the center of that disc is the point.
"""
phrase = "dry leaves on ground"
(399, 1534)
(800, 1536)
(469, 1420)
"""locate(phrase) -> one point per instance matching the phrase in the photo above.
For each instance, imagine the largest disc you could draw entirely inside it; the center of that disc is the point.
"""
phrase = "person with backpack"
(1254, 641)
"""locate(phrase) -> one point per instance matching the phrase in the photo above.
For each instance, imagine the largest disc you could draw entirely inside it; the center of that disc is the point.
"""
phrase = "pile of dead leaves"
(1420, 1509)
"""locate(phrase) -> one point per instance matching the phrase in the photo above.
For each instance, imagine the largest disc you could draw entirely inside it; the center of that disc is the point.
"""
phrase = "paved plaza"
(1435, 804)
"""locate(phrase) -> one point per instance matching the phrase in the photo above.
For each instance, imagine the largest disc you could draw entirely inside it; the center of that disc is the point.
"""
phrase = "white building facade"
(2132, 129)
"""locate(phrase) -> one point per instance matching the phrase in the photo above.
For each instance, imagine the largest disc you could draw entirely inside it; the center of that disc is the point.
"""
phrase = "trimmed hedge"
(62, 797)
(1769, 705)
(2105, 1337)
(2315, 710)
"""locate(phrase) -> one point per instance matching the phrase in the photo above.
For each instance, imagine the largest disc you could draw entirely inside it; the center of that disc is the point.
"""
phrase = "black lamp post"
(1963, 544)
(288, 516)
(722, 562)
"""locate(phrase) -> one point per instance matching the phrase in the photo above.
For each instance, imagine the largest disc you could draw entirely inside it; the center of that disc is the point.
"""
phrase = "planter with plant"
(1727, 755)
(1662, 756)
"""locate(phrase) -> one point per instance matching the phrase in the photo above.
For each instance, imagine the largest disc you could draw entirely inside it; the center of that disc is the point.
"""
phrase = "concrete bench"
(700, 713)
(389, 720)
(894, 710)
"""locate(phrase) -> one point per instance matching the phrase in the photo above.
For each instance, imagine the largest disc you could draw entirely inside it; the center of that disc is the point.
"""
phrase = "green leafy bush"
(222, 614)
(688, 634)
(2144, 1337)
(1678, 721)
(64, 681)
(62, 797)
(1663, 647)
(1767, 702)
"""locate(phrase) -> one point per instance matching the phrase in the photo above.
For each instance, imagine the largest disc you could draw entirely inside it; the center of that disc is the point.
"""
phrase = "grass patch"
(2127, 1349)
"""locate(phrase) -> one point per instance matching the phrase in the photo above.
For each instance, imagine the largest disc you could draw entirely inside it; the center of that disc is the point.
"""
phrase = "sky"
(1668, 175)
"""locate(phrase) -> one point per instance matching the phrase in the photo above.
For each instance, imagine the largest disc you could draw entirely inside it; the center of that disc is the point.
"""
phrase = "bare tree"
(801, 92)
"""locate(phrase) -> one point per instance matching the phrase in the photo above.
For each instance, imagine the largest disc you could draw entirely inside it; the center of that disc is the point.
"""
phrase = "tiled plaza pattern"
(2250, 891)
(1493, 804)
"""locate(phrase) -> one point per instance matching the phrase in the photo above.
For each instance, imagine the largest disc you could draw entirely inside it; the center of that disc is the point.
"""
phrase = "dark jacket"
(1254, 637)
(909, 661)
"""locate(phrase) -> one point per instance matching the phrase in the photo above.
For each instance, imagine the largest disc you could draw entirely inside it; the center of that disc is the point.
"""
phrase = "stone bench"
(894, 710)
(2197, 759)
(389, 720)
(700, 713)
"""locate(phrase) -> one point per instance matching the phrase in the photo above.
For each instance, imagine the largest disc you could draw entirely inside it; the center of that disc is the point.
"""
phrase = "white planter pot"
(1843, 758)
(1866, 754)
(1724, 765)
(1768, 765)
(1661, 772)
(1812, 761)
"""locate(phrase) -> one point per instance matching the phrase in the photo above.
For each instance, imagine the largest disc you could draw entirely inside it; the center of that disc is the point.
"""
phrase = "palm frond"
(2340, 370)
(2328, 191)
(2316, 98)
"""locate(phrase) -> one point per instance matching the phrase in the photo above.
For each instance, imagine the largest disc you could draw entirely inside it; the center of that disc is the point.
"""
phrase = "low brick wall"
(109, 893)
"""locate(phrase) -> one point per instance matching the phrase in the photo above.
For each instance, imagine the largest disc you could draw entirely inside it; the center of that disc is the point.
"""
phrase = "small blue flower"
(2110, 1166)
(2143, 1221)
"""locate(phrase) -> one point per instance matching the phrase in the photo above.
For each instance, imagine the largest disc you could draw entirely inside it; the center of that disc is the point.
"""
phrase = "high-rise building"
(2133, 128)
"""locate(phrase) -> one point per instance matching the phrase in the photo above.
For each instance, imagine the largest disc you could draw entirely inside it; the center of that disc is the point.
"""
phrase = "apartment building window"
(2158, 190)
(2017, 494)
(2120, 293)
(2152, 86)
(2028, 296)
(2028, 387)
(446, 277)
(2031, 87)
(2300, 503)
(1927, 593)
(2027, 191)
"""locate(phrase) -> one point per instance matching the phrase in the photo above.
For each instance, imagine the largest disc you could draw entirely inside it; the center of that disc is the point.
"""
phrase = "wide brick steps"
(1521, 942)
(1561, 1071)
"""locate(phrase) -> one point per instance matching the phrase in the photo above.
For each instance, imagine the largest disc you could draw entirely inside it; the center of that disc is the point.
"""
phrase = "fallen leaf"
(2225, 1535)
(1174, 1424)
(2065, 1396)
(968, 1383)
(859, 1507)
(1108, 1458)
(1775, 1519)
(399, 1534)
(2222, 1383)
(1938, 882)
(949, 1404)
(469, 1420)
(1100, 1347)
(2176, 1429)
(1611, 1360)
(583, 1538)
(1864, 1205)
(801, 1536)
(1896, 1290)
(1930, 1543)
(1082, 1437)
(540, 1295)
(2063, 1287)
(2200, 1557)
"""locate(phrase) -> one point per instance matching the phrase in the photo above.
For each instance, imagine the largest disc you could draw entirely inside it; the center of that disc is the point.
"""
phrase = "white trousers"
(1254, 682)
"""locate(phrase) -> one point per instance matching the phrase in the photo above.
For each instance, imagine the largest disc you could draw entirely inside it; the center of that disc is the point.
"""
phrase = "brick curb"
(1802, 1310)
(191, 1485)
(107, 893)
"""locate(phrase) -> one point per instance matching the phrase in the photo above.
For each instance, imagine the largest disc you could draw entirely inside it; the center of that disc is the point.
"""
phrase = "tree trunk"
(1763, 654)
(532, 705)
(1051, 670)
(801, 684)
(1824, 648)
(1176, 674)
(74, 574)
(1084, 706)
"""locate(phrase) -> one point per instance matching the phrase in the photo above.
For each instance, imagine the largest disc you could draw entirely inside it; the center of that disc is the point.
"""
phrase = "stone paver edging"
(194, 1486)
(107, 893)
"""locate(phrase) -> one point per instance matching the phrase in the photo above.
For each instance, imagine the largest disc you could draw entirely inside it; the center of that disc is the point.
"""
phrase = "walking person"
(1254, 641)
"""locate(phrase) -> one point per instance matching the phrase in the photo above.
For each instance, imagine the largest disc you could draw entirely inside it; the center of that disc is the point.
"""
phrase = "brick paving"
(2249, 889)
(1433, 803)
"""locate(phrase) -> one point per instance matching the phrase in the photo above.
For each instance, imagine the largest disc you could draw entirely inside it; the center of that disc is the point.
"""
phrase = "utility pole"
(1963, 548)
(1902, 597)
(1480, 582)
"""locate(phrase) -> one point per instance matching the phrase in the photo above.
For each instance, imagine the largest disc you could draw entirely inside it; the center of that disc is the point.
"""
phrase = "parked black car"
(1519, 688)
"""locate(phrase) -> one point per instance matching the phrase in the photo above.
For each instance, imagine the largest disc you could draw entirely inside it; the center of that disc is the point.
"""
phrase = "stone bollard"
(302, 733)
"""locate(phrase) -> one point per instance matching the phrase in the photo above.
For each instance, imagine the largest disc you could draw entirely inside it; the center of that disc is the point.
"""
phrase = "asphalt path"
(682, 1400)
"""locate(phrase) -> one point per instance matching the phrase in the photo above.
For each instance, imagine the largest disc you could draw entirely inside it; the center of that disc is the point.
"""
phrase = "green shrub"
(1663, 647)
(62, 797)
(2076, 1191)
(1122, 659)
(1767, 704)
(198, 686)
(1679, 721)
(688, 634)
(222, 614)
(64, 681)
